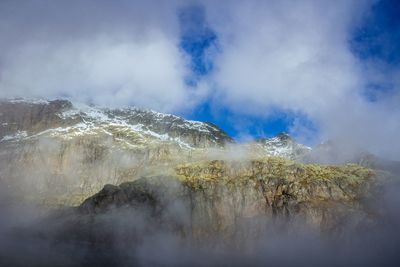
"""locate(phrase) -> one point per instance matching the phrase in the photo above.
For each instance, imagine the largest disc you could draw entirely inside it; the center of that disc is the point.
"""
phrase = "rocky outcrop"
(55, 153)
(218, 198)
(115, 183)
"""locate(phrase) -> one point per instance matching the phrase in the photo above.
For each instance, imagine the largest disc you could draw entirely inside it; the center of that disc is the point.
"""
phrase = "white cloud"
(294, 55)
(105, 72)
(109, 56)
(290, 54)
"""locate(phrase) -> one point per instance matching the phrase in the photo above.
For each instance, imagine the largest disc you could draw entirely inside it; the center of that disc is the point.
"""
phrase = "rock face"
(218, 198)
(30, 117)
(127, 181)
(59, 154)
(55, 153)
(34, 117)
(193, 133)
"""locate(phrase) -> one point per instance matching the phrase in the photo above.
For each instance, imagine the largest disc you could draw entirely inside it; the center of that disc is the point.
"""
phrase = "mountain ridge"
(58, 153)
(102, 174)
(40, 115)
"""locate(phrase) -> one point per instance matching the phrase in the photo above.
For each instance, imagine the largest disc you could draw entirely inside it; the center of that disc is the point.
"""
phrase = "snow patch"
(17, 136)
(96, 120)
(288, 148)
(33, 101)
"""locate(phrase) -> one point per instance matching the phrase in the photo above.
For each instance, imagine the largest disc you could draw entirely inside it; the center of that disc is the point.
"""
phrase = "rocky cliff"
(24, 118)
(216, 198)
(59, 154)
(121, 185)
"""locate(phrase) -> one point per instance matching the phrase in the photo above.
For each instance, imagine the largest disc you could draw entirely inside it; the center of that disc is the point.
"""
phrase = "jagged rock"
(55, 153)
(218, 197)
(59, 154)
(34, 117)
(194, 133)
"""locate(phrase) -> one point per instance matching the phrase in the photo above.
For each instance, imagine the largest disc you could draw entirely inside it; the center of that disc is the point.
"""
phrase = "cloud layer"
(297, 56)
(123, 54)
(294, 56)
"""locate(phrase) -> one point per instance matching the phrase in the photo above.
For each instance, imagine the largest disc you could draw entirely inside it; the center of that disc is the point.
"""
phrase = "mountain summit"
(33, 118)
(283, 146)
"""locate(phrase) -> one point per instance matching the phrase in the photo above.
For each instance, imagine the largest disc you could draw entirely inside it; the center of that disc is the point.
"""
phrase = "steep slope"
(58, 153)
(210, 199)
(20, 118)
(24, 118)
(137, 178)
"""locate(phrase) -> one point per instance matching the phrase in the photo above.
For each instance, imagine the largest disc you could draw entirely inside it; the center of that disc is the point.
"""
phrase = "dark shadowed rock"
(32, 117)
(220, 198)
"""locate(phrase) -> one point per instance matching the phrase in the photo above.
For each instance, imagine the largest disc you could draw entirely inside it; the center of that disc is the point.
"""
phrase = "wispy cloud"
(298, 56)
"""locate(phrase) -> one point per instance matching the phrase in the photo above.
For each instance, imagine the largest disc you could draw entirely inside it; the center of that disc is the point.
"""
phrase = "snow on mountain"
(24, 119)
(60, 118)
(283, 146)
(18, 135)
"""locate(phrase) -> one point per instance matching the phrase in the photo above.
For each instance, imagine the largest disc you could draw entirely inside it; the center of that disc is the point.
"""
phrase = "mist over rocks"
(138, 187)
(164, 220)
(219, 194)
(59, 153)
(298, 166)
(56, 153)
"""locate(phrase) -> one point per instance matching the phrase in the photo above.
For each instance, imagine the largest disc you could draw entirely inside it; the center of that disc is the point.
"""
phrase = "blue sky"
(376, 38)
(196, 38)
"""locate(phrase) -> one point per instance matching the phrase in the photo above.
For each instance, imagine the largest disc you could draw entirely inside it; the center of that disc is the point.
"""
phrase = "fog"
(37, 235)
(34, 236)
(295, 57)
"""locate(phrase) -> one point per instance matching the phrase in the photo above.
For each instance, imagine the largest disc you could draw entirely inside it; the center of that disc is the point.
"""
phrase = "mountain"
(57, 153)
(112, 178)
(28, 118)
(61, 153)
